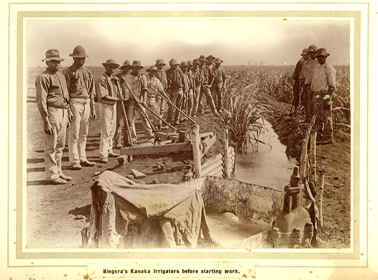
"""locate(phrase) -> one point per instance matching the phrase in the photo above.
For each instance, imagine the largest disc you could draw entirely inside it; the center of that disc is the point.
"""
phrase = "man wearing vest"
(219, 84)
(155, 90)
(136, 82)
(197, 84)
(81, 89)
(121, 131)
(175, 90)
(108, 90)
(308, 69)
(323, 85)
(53, 104)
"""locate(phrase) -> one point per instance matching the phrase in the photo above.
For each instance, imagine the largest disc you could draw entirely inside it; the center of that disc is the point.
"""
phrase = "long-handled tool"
(173, 105)
(127, 139)
(141, 109)
(159, 117)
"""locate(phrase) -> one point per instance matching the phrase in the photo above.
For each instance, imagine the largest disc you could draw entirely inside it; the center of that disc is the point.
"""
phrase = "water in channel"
(267, 166)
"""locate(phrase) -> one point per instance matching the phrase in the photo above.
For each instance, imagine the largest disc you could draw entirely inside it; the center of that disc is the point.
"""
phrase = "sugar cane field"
(267, 139)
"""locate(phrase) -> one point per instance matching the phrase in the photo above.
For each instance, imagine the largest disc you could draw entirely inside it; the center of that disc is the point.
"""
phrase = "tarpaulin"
(129, 215)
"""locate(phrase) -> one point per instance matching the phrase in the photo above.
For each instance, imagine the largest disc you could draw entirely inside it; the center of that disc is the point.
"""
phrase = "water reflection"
(269, 166)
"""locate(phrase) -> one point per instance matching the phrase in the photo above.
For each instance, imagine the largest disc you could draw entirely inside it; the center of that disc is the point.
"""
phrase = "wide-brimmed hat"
(111, 62)
(312, 48)
(151, 68)
(218, 60)
(195, 61)
(52, 54)
(136, 64)
(322, 52)
(190, 63)
(202, 58)
(79, 51)
(125, 65)
(173, 62)
(210, 57)
(184, 64)
(159, 62)
(304, 52)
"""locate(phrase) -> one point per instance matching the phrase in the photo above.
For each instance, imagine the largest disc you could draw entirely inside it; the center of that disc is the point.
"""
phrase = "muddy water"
(229, 232)
(268, 166)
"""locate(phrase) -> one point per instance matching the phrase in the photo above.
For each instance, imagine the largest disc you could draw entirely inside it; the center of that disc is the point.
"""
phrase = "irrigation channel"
(267, 166)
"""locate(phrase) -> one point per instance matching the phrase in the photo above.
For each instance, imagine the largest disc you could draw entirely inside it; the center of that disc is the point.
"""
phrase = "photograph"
(188, 140)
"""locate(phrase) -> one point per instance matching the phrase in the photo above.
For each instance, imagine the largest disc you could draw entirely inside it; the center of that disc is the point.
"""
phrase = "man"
(323, 84)
(187, 100)
(108, 90)
(175, 90)
(81, 89)
(121, 131)
(219, 84)
(297, 79)
(207, 84)
(302, 88)
(155, 90)
(190, 66)
(162, 77)
(308, 69)
(197, 77)
(53, 105)
(136, 87)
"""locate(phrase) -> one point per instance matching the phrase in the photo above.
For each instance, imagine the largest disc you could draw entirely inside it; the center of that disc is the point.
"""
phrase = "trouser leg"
(327, 119)
(310, 103)
(120, 125)
(178, 104)
(210, 100)
(83, 131)
(131, 117)
(107, 116)
(196, 95)
(146, 125)
(77, 109)
(190, 102)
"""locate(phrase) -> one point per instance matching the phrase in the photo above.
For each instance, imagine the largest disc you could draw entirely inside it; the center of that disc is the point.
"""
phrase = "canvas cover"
(129, 215)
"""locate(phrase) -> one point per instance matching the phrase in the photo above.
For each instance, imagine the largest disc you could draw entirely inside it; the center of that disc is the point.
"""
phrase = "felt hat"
(195, 61)
(159, 62)
(202, 58)
(218, 60)
(125, 65)
(79, 51)
(210, 57)
(322, 52)
(111, 62)
(151, 68)
(137, 64)
(53, 54)
(184, 64)
(173, 62)
(304, 52)
(312, 48)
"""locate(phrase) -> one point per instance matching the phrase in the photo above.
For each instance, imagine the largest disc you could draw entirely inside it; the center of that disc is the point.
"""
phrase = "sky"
(239, 41)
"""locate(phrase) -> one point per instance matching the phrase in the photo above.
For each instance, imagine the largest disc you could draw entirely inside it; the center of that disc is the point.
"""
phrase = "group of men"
(67, 99)
(314, 84)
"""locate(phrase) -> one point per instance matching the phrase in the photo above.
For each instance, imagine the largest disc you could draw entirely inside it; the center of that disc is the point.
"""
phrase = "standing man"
(162, 77)
(175, 90)
(136, 82)
(155, 89)
(53, 105)
(302, 88)
(81, 89)
(121, 131)
(207, 84)
(202, 64)
(197, 77)
(323, 85)
(108, 90)
(308, 69)
(219, 84)
(297, 80)
(187, 100)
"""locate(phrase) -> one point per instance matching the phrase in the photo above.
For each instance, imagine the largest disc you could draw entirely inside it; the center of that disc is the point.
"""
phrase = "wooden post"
(312, 157)
(321, 201)
(304, 155)
(226, 159)
(196, 141)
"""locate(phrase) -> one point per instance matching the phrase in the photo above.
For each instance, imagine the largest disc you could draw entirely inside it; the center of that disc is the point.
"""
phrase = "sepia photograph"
(218, 138)
(150, 133)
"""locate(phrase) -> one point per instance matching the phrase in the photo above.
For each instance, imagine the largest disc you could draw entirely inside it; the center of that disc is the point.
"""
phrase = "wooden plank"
(212, 160)
(196, 151)
(211, 168)
(216, 170)
(158, 149)
(219, 174)
(209, 141)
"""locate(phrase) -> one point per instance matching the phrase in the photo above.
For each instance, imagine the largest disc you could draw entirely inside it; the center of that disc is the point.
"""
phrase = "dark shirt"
(80, 82)
(162, 76)
(175, 79)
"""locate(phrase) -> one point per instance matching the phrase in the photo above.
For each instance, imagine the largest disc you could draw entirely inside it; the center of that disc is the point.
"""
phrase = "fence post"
(196, 141)
(226, 159)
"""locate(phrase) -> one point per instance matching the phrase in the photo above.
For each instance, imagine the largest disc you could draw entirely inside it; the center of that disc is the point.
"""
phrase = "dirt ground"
(56, 213)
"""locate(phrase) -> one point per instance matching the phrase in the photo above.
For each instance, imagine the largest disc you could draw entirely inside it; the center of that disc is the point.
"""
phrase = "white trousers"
(108, 115)
(79, 130)
(54, 143)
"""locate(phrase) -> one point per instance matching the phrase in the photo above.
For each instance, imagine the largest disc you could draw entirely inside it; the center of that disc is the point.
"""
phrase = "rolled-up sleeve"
(41, 85)
(102, 88)
(331, 76)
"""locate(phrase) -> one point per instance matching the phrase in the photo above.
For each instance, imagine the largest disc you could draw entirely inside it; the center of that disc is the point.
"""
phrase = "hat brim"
(108, 64)
(78, 56)
(160, 64)
(324, 55)
(53, 58)
(151, 70)
(124, 67)
(139, 67)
